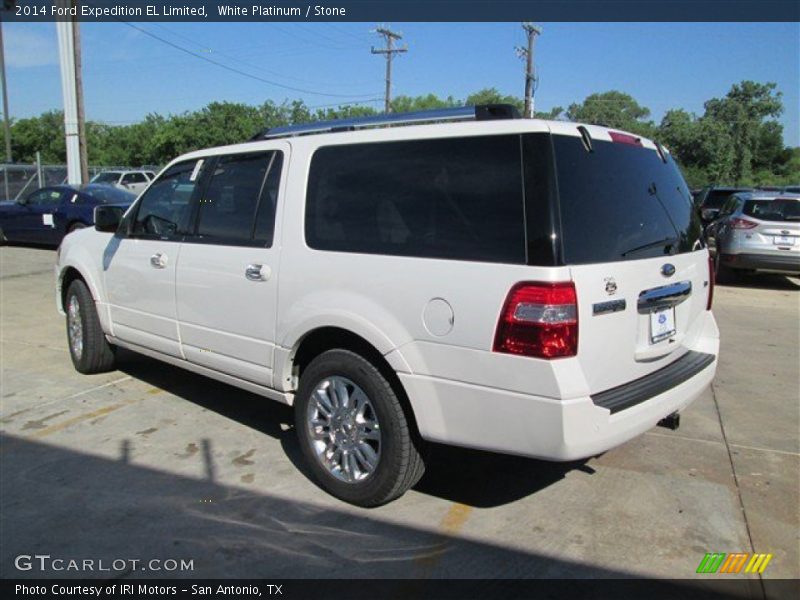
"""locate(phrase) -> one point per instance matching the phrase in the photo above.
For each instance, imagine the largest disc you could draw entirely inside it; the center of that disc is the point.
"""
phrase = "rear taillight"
(711, 282)
(737, 223)
(539, 319)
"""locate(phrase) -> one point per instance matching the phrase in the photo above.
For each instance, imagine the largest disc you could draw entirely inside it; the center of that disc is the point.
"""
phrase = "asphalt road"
(152, 462)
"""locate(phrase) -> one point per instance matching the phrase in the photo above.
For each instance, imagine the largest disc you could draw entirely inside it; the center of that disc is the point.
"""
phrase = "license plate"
(784, 240)
(662, 324)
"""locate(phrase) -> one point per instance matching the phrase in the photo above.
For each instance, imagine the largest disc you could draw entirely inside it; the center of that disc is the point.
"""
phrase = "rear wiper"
(666, 242)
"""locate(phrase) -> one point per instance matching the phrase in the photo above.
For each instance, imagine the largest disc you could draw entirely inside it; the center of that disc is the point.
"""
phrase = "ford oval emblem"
(668, 270)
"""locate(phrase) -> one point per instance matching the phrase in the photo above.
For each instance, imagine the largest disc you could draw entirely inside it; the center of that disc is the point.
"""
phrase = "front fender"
(80, 251)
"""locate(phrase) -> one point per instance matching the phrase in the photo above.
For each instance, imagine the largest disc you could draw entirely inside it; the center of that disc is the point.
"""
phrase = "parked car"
(757, 231)
(791, 189)
(48, 214)
(131, 181)
(481, 282)
(711, 199)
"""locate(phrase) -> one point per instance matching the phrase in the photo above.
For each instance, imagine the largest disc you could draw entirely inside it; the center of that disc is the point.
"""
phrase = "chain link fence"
(17, 181)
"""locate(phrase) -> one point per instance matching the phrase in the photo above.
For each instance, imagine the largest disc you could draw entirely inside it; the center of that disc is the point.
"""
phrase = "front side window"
(165, 208)
(451, 198)
(238, 206)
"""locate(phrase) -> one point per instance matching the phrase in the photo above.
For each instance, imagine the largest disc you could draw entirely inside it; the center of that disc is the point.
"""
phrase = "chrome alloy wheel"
(75, 326)
(344, 429)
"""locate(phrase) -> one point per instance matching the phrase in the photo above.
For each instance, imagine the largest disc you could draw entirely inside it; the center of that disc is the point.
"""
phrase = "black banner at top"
(400, 10)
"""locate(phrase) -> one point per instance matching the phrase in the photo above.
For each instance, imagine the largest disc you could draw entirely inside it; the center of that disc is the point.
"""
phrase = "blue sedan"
(48, 214)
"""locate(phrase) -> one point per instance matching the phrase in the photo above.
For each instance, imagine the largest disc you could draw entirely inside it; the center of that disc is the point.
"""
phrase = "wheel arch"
(321, 339)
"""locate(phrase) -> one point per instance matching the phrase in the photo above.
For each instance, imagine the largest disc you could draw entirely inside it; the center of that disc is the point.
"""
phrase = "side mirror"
(108, 218)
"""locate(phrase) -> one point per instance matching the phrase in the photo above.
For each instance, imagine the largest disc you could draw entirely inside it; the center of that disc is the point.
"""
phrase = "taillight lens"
(711, 282)
(737, 223)
(539, 319)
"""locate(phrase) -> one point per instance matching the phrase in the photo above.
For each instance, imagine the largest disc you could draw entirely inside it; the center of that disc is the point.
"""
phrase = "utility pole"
(6, 122)
(70, 86)
(390, 37)
(76, 46)
(527, 53)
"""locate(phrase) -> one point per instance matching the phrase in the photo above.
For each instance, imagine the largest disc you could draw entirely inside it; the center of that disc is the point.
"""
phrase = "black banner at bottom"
(401, 589)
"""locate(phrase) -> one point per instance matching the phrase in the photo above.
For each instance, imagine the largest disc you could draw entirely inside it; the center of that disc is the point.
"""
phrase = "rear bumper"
(785, 263)
(497, 420)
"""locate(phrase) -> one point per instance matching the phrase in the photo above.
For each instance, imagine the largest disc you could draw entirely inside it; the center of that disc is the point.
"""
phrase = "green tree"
(402, 104)
(492, 96)
(742, 112)
(613, 109)
(44, 133)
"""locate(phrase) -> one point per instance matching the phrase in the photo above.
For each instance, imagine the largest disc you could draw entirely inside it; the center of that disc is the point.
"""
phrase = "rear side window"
(773, 210)
(238, 206)
(621, 202)
(452, 198)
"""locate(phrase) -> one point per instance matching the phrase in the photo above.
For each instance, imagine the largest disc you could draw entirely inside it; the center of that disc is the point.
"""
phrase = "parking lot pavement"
(152, 462)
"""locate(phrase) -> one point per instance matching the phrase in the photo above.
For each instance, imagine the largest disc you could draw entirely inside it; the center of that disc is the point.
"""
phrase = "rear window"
(621, 202)
(452, 198)
(773, 210)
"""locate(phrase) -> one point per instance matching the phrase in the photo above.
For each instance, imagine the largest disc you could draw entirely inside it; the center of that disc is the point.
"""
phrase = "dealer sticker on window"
(662, 324)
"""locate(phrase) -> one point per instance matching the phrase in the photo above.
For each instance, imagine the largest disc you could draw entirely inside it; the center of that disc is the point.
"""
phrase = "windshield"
(108, 195)
(621, 202)
(782, 209)
(106, 177)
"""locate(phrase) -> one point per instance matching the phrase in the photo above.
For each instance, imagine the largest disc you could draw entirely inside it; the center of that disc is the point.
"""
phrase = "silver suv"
(757, 231)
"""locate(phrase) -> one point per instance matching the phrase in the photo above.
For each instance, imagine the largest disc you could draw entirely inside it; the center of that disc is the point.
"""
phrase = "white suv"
(520, 286)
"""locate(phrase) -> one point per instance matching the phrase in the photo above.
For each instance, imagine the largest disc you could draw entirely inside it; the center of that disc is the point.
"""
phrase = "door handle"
(257, 272)
(158, 260)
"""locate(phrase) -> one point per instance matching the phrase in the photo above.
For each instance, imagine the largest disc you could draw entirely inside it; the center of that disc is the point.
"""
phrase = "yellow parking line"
(455, 518)
(452, 522)
(80, 418)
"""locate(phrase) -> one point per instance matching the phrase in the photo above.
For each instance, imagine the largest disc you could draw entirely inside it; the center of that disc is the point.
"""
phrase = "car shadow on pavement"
(472, 477)
(71, 505)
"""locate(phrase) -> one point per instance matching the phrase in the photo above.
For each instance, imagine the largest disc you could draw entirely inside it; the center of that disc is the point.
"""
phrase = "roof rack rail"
(480, 112)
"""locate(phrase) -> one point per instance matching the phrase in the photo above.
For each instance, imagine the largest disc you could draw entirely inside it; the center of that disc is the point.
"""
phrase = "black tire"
(75, 226)
(96, 355)
(400, 465)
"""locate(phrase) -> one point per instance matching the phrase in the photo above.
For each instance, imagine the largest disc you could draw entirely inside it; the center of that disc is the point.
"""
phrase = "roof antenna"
(585, 138)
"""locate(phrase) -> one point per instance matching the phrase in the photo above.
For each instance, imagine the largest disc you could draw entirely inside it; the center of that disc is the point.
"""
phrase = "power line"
(238, 71)
(361, 38)
(389, 52)
(251, 65)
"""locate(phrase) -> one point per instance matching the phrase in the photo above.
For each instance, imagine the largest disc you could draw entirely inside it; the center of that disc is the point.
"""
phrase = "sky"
(128, 73)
